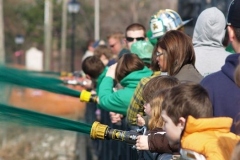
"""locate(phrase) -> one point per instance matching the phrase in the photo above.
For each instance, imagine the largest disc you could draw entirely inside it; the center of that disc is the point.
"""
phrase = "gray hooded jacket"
(207, 41)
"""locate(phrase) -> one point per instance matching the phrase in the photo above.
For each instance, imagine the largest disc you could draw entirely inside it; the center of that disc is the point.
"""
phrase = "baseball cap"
(233, 18)
(97, 43)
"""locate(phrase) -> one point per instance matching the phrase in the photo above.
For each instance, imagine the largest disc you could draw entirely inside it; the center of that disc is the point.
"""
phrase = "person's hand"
(115, 117)
(142, 142)
(140, 120)
(111, 71)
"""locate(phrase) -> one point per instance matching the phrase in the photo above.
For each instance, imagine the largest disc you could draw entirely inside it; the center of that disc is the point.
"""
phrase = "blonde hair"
(116, 35)
(156, 109)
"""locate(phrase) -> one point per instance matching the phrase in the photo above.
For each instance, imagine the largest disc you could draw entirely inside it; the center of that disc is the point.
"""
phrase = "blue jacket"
(223, 92)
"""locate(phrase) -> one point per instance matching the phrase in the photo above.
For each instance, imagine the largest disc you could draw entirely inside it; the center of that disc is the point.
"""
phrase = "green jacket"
(100, 78)
(119, 101)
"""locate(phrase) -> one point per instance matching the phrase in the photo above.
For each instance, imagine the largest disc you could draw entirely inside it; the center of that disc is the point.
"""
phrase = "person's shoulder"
(211, 78)
(144, 80)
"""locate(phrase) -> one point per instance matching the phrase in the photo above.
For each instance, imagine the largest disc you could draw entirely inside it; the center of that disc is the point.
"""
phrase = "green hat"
(143, 49)
(153, 41)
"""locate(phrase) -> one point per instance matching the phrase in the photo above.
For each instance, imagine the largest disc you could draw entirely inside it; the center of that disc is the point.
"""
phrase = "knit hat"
(143, 49)
(233, 17)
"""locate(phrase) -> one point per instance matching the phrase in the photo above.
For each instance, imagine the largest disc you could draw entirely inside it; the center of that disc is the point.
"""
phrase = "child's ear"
(182, 122)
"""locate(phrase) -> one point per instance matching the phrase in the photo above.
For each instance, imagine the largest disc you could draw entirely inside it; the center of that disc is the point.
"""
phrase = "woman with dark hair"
(175, 55)
(129, 70)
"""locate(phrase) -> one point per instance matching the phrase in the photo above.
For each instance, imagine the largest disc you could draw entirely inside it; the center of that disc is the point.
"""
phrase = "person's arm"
(110, 100)
(158, 142)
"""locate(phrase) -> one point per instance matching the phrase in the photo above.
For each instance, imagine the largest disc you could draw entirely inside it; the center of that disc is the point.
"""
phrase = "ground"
(25, 143)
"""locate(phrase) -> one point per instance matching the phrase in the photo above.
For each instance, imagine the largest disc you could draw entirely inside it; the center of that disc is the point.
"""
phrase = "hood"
(133, 78)
(100, 78)
(230, 65)
(210, 28)
(193, 125)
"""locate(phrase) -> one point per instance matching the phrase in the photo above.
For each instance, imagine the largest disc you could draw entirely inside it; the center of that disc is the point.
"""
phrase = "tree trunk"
(2, 48)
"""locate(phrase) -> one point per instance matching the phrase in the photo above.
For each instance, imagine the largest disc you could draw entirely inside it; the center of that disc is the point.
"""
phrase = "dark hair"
(237, 75)
(237, 124)
(154, 63)
(225, 41)
(178, 50)
(126, 64)
(187, 99)
(134, 27)
(103, 50)
(89, 42)
(93, 66)
(157, 83)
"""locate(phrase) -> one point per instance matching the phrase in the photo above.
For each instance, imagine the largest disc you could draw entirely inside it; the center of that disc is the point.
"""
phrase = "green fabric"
(10, 114)
(100, 78)
(119, 101)
(143, 49)
(32, 80)
(230, 49)
(153, 41)
(45, 73)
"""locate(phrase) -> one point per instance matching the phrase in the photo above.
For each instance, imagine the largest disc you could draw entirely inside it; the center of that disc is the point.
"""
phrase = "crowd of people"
(184, 90)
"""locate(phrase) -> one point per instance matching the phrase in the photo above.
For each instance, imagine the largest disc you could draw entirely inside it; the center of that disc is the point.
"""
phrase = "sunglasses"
(130, 39)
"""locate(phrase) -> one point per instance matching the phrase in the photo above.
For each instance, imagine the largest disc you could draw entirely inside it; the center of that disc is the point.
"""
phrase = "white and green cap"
(157, 27)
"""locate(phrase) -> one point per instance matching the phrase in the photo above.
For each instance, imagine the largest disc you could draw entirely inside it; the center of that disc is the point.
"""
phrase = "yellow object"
(210, 137)
(98, 130)
(85, 96)
(63, 74)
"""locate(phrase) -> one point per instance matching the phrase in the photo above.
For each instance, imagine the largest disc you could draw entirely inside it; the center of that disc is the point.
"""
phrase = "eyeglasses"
(130, 39)
(159, 54)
